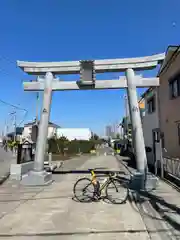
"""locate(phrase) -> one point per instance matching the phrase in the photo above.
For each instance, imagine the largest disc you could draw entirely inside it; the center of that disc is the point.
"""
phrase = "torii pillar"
(138, 138)
(38, 176)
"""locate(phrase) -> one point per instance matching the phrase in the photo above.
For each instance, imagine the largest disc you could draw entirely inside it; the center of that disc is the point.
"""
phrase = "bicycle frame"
(95, 181)
(103, 185)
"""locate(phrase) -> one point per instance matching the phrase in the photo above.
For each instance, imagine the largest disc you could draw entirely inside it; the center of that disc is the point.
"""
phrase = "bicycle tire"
(89, 198)
(117, 183)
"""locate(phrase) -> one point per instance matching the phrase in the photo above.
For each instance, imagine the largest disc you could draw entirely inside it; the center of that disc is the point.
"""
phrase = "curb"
(4, 178)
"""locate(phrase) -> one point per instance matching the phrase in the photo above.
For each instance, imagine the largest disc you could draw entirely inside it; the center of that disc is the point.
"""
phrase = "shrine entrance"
(87, 70)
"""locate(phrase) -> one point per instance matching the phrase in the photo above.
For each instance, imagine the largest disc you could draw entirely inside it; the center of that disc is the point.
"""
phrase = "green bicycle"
(90, 189)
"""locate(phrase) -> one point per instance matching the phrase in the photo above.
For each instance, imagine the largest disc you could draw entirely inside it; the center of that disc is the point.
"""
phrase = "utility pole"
(15, 125)
(13, 114)
(5, 129)
(37, 109)
(126, 113)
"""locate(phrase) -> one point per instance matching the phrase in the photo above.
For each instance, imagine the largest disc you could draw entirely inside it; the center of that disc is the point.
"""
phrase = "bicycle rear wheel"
(84, 190)
(117, 192)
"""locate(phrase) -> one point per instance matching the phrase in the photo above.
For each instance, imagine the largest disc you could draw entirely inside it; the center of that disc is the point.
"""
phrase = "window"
(156, 136)
(178, 126)
(151, 105)
(30, 130)
(174, 87)
(162, 140)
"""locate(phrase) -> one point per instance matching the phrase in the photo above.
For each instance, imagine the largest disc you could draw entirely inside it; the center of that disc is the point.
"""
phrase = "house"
(126, 121)
(74, 133)
(150, 124)
(162, 110)
(169, 102)
(52, 129)
(142, 107)
(17, 134)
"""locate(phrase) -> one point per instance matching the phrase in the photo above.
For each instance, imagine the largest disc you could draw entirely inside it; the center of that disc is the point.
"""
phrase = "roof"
(19, 131)
(171, 53)
(145, 93)
(34, 122)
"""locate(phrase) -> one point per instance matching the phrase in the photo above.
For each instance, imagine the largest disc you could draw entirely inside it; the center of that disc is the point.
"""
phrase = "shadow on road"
(164, 208)
(97, 171)
(50, 234)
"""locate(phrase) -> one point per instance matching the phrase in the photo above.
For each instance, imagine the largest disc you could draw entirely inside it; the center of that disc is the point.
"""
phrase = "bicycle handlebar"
(94, 169)
(108, 173)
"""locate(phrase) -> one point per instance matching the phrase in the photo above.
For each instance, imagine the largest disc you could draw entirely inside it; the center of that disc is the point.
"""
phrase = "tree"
(118, 136)
(96, 137)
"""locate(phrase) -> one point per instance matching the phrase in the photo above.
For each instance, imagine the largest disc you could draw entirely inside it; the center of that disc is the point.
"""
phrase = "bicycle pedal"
(97, 199)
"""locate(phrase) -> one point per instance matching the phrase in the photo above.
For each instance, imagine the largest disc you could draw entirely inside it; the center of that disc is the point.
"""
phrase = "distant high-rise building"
(109, 131)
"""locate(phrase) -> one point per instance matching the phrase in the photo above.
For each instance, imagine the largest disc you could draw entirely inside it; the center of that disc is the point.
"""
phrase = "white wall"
(51, 131)
(28, 130)
(150, 121)
(74, 133)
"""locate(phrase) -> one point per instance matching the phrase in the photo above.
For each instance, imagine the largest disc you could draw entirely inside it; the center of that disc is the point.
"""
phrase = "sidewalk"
(42, 212)
(160, 209)
(165, 199)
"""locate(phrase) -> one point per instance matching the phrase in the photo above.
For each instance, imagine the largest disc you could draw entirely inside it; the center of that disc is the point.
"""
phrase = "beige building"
(169, 102)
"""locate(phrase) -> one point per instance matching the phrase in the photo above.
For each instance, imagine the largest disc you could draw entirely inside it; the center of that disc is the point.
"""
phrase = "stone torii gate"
(87, 70)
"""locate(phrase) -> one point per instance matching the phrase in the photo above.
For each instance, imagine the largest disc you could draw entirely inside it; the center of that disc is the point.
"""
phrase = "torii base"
(34, 178)
(139, 183)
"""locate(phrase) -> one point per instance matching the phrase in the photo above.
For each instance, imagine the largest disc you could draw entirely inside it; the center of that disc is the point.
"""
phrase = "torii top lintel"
(100, 66)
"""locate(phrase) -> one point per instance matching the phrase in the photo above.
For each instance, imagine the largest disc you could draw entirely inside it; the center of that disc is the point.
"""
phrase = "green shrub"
(63, 146)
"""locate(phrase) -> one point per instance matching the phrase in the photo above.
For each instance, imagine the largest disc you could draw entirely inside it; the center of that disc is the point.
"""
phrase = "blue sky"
(59, 30)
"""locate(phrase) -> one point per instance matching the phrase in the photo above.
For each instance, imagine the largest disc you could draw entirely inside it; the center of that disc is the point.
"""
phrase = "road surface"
(6, 158)
(41, 212)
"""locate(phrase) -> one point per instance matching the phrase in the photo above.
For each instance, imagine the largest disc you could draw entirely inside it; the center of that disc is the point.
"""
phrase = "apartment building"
(169, 102)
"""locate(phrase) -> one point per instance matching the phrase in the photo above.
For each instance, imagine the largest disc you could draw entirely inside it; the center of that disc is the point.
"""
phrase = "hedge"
(63, 146)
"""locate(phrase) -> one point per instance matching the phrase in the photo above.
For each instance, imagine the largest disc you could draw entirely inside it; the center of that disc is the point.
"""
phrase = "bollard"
(50, 158)
(19, 153)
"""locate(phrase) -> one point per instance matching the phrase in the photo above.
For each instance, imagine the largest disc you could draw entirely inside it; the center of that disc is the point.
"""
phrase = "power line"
(12, 105)
(25, 115)
(13, 63)
(7, 103)
(7, 59)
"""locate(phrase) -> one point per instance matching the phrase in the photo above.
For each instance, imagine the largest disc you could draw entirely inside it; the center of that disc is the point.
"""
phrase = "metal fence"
(172, 166)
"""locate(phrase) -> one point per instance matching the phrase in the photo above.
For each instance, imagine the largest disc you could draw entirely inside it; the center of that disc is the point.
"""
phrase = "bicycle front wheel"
(117, 192)
(84, 190)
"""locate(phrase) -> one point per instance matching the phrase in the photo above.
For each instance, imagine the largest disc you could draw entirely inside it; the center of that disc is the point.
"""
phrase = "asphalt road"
(6, 159)
(106, 149)
(76, 163)
(68, 165)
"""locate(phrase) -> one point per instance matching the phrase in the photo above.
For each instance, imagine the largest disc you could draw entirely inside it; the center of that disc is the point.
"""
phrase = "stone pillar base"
(37, 178)
(140, 182)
